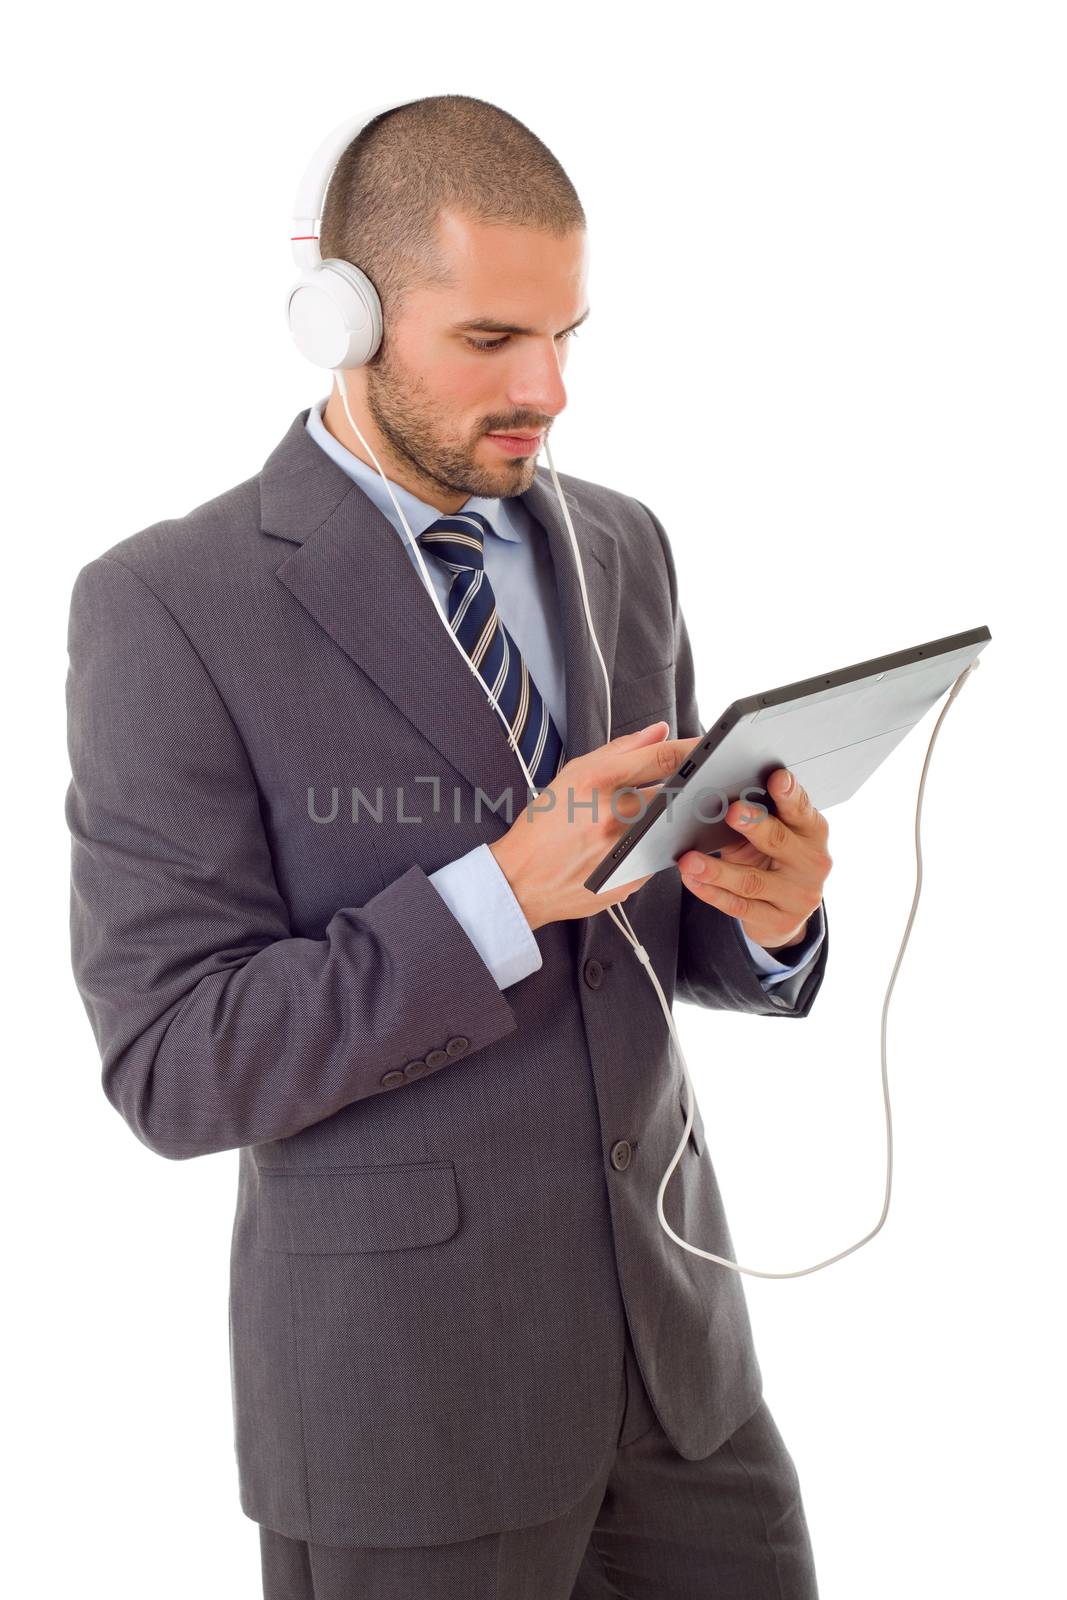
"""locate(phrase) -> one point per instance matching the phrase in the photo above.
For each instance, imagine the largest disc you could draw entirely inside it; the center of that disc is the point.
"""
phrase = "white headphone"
(335, 318)
(334, 311)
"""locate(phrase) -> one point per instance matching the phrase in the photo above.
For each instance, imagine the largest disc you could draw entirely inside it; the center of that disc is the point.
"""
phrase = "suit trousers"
(653, 1526)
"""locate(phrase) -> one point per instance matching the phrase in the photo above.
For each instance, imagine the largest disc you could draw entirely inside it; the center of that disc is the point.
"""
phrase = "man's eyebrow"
(487, 325)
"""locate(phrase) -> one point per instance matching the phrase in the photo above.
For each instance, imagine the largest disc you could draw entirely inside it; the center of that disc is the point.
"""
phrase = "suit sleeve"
(217, 1027)
(714, 968)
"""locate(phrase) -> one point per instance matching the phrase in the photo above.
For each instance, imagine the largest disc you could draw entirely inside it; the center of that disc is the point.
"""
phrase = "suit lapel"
(352, 575)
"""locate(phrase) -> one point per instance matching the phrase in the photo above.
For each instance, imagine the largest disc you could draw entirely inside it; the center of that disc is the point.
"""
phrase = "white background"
(828, 348)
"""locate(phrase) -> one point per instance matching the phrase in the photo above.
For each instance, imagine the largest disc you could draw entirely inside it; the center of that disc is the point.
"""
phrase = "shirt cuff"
(481, 899)
(766, 962)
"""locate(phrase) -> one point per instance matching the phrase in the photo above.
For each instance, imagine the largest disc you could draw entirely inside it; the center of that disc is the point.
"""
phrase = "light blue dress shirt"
(518, 564)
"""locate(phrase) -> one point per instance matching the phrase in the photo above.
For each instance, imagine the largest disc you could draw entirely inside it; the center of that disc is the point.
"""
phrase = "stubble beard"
(403, 419)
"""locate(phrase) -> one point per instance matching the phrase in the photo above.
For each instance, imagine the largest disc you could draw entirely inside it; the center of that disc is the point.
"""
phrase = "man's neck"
(336, 423)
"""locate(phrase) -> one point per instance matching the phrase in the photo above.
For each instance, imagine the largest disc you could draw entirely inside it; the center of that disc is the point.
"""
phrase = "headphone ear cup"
(335, 315)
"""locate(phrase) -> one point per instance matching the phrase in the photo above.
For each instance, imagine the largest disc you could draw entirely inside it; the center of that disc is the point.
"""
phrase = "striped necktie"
(457, 541)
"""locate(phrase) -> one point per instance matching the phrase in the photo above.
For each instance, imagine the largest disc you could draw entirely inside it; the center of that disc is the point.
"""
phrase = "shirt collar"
(497, 511)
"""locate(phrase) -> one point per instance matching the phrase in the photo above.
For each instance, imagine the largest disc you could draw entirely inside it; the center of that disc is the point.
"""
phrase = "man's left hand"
(772, 880)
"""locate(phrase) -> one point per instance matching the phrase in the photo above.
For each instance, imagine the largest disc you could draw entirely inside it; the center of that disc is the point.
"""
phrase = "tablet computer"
(832, 731)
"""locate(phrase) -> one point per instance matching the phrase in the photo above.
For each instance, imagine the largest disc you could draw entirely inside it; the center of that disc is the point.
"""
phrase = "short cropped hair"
(404, 166)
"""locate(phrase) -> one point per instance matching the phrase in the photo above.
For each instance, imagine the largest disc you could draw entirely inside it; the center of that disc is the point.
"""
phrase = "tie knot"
(458, 540)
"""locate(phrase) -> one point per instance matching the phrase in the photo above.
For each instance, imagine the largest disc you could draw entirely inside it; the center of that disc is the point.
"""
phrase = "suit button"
(457, 1046)
(594, 972)
(436, 1058)
(620, 1155)
(392, 1078)
(414, 1069)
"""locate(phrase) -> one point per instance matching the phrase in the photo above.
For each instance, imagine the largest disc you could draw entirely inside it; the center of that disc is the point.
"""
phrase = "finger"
(630, 803)
(766, 924)
(744, 851)
(633, 801)
(607, 755)
(795, 808)
(750, 886)
(623, 764)
(796, 836)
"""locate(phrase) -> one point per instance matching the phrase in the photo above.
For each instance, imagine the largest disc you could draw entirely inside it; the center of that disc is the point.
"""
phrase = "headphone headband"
(333, 309)
(311, 192)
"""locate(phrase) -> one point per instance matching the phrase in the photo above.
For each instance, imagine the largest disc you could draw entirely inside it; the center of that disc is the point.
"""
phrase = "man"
(466, 1358)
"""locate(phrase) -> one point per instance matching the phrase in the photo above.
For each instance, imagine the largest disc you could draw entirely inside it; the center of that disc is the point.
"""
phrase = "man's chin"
(513, 478)
(517, 482)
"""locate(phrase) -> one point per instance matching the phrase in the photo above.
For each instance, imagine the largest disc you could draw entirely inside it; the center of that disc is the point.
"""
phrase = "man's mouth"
(516, 444)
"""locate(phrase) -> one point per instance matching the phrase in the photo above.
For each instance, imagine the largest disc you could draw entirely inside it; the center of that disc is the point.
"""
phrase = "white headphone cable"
(615, 912)
(618, 913)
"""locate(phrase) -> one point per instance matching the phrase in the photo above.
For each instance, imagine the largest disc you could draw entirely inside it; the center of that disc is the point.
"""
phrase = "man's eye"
(495, 344)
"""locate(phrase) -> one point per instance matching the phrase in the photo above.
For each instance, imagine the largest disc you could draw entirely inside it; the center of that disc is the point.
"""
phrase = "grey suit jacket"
(438, 1235)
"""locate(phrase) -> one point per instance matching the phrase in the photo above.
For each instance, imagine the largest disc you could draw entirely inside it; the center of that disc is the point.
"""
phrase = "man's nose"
(536, 382)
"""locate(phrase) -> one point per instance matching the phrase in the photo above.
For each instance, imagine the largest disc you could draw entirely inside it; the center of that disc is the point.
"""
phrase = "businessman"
(466, 1359)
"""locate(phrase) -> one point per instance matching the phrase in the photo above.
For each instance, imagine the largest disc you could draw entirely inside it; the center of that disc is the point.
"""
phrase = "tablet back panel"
(832, 737)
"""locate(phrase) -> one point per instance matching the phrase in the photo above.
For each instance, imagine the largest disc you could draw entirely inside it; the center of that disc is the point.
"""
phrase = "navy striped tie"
(457, 541)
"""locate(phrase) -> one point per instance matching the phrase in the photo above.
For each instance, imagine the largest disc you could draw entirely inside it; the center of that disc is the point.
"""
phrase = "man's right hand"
(551, 849)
